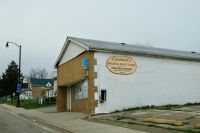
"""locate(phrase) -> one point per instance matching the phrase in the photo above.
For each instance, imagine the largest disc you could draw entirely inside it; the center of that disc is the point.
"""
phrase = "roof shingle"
(41, 82)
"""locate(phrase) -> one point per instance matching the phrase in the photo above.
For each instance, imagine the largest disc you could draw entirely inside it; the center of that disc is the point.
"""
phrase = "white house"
(26, 92)
(55, 86)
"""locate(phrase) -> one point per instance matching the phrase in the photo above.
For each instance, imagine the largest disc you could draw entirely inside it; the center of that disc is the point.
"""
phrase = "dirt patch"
(148, 129)
(163, 121)
(189, 116)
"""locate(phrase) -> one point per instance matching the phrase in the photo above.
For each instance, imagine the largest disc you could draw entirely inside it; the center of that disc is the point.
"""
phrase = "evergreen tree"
(10, 79)
(1, 88)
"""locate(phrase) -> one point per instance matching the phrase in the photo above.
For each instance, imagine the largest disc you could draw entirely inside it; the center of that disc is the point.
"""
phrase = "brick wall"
(73, 71)
(61, 99)
(36, 90)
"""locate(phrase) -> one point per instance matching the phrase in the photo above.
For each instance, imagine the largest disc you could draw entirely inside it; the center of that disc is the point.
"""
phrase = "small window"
(103, 96)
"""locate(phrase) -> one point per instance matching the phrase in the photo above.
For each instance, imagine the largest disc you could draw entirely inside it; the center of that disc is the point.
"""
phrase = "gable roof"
(104, 46)
(41, 82)
(26, 89)
(24, 85)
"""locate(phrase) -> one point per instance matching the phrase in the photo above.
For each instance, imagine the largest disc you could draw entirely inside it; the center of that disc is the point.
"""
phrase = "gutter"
(147, 54)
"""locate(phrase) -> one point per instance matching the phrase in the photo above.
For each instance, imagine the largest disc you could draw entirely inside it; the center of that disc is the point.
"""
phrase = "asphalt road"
(13, 124)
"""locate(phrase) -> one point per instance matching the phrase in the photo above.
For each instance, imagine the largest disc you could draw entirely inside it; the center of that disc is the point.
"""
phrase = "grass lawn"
(30, 105)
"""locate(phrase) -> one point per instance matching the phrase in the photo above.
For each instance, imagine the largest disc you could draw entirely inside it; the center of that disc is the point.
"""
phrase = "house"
(55, 86)
(26, 92)
(37, 85)
(101, 77)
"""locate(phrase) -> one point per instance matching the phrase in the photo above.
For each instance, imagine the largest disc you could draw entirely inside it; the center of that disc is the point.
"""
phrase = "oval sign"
(121, 65)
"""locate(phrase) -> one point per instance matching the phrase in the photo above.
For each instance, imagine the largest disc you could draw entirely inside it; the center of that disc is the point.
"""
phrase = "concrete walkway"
(67, 120)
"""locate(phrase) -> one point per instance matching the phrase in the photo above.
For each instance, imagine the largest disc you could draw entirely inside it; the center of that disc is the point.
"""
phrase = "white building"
(122, 75)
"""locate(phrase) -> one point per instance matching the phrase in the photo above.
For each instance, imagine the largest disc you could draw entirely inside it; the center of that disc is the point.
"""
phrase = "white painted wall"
(26, 95)
(72, 51)
(55, 85)
(157, 81)
(50, 93)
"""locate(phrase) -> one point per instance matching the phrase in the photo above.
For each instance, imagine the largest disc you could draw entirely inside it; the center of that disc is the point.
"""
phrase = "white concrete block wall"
(157, 81)
(55, 85)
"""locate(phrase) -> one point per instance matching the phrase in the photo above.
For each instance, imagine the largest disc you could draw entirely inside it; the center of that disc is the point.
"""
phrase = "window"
(103, 96)
(80, 90)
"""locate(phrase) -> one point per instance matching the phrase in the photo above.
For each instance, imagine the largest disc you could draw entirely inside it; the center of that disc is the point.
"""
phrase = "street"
(12, 124)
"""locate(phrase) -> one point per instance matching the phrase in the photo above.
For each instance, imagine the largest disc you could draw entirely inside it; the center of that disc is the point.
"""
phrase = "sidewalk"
(67, 120)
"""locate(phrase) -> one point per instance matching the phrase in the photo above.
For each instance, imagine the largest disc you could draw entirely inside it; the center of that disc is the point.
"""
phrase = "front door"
(68, 98)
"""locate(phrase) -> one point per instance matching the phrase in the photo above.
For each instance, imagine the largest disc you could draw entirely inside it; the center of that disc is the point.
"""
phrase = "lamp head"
(7, 45)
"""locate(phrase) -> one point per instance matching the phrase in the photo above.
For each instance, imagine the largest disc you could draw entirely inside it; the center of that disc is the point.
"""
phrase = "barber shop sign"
(121, 65)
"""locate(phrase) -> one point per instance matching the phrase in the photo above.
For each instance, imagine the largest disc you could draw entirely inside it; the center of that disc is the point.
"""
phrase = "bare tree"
(42, 73)
(52, 74)
(36, 73)
(33, 73)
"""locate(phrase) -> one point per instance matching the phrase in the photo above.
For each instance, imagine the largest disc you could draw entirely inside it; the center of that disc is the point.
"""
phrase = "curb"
(47, 124)
(5, 108)
(40, 122)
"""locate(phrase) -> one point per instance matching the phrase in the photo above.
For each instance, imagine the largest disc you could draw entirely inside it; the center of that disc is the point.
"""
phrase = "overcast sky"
(42, 26)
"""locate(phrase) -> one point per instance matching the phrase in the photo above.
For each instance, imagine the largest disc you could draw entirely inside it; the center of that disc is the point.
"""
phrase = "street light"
(18, 101)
